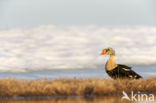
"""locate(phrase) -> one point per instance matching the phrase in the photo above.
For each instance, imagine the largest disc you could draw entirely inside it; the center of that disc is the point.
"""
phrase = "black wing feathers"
(124, 66)
(123, 71)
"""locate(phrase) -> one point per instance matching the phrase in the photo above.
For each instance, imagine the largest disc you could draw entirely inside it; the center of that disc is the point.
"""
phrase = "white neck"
(111, 63)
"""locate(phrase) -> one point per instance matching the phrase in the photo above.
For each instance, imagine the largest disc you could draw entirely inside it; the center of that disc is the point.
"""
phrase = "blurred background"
(39, 35)
(26, 13)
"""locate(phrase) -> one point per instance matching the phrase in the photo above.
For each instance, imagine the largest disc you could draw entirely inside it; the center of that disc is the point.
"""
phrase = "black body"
(123, 72)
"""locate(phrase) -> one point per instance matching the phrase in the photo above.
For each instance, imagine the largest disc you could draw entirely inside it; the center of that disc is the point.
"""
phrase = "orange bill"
(103, 52)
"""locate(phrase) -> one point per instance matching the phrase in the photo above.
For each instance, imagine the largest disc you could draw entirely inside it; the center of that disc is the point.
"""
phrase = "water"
(77, 99)
(145, 71)
(50, 52)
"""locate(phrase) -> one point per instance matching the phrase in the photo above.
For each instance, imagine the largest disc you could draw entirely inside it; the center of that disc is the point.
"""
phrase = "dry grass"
(66, 87)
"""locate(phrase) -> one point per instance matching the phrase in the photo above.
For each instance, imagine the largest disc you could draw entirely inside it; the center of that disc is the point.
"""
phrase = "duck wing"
(127, 72)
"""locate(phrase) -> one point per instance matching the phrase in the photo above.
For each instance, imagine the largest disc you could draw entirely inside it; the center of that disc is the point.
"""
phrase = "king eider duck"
(118, 71)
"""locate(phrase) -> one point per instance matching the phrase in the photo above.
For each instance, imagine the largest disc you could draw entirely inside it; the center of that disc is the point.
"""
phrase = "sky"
(32, 13)
(51, 47)
(39, 34)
